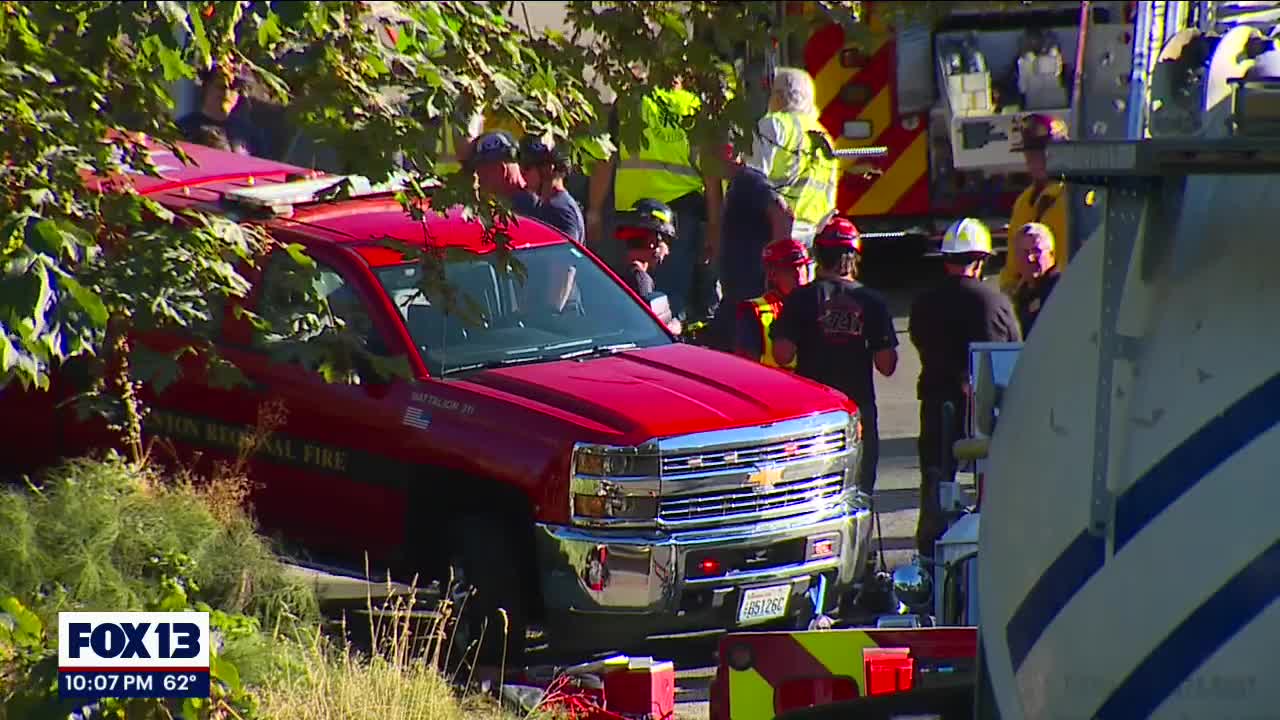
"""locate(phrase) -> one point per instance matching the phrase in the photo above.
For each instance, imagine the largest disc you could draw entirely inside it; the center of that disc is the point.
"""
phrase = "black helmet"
(493, 146)
(651, 215)
(535, 151)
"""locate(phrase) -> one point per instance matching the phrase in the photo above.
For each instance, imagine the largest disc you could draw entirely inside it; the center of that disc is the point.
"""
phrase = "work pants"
(937, 464)
(724, 321)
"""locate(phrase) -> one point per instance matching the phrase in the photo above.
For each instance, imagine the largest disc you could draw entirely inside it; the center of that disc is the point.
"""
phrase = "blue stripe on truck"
(1158, 488)
(1180, 470)
(1236, 604)
(1050, 594)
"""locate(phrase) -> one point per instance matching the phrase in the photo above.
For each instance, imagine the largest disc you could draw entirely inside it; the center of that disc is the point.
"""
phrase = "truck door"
(326, 476)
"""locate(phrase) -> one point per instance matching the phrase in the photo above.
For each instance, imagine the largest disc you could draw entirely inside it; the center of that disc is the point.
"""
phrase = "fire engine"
(1129, 566)
(946, 100)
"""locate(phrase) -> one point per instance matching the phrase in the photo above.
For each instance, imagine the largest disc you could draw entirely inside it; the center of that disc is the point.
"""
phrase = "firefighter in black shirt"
(837, 330)
(944, 321)
(647, 230)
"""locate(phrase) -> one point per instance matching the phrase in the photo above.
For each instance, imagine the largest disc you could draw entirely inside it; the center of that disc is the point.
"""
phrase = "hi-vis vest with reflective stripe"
(804, 174)
(447, 160)
(766, 308)
(665, 170)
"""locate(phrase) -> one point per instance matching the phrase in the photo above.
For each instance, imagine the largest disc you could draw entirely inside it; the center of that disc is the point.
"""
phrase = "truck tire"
(495, 613)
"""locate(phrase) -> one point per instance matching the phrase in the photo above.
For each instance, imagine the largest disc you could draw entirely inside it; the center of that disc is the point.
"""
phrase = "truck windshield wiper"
(598, 350)
(493, 364)
(520, 359)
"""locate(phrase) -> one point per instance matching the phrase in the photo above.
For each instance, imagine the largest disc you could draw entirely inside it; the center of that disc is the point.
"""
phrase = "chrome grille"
(794, 497)
(746, 458)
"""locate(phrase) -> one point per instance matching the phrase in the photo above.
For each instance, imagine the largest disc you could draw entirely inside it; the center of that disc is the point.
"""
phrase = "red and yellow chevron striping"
(855, 84)
(764, 674)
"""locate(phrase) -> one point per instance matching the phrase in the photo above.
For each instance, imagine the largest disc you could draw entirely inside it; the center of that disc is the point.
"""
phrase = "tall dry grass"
(400, 675)
(408, 671)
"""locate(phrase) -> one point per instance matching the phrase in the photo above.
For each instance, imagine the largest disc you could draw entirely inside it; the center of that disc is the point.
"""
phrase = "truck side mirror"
(661, 306)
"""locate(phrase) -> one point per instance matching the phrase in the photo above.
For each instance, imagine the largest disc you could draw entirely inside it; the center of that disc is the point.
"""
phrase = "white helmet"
(967, 236)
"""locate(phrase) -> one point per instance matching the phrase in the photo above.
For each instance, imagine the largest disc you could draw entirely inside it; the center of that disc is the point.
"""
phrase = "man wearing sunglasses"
(647, 231)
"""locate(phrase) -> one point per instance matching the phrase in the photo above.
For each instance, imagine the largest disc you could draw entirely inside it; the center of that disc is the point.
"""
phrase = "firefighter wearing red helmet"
(837, 330)
(786, 265)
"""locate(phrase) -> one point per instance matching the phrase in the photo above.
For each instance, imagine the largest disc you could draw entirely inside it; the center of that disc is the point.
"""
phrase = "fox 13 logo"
(133, 655)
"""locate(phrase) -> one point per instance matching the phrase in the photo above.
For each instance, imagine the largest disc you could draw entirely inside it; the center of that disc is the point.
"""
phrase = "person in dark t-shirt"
(837, 330)
(647, 231)
(208, 135)
(755, 216)
(223, 113)
(636, 276)
(545, 165)
(944, 321)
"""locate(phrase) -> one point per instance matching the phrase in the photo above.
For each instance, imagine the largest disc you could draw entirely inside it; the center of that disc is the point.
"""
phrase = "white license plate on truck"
(766, 603)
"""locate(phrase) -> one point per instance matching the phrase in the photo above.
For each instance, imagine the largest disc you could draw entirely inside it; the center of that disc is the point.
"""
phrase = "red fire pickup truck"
(581, 467)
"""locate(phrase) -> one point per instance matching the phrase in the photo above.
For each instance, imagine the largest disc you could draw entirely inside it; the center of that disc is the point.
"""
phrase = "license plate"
(766, 603)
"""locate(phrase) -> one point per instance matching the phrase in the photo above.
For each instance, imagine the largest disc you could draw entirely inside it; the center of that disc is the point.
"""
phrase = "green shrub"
(100, 534)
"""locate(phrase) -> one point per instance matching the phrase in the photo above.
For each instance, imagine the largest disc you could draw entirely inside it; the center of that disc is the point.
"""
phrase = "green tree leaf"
(87, 300)
(173, 65)
(46, 237)
(9, 356)
(299, 255)
(27, 629)
(225, 672)
(224, 375)
(269, 29)
(159, 370)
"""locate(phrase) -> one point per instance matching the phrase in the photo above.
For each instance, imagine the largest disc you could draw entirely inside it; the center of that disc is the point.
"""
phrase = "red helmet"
(786, 253)
(839, 233)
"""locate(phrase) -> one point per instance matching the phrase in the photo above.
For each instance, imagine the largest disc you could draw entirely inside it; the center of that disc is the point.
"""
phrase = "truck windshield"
(565, 306)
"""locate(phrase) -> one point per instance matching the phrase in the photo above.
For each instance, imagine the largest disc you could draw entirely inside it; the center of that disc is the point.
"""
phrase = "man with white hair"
(1034, 246)
(793, 150)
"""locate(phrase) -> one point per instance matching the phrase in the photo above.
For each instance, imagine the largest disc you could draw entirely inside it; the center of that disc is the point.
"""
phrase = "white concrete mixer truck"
(1130, 554)
(1130, 551)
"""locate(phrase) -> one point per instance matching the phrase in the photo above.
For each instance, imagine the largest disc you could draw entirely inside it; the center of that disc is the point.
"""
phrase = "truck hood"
(664, 391)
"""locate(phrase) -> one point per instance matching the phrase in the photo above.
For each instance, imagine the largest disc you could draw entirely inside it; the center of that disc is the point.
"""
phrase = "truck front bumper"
(602, 589)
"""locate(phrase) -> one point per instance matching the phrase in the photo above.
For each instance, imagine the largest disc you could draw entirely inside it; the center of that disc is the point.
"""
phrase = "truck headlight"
(615, 462)
(609, 505)
(614, 485)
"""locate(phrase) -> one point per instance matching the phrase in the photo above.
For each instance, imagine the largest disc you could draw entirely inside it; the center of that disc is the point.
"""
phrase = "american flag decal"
(415, 417)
